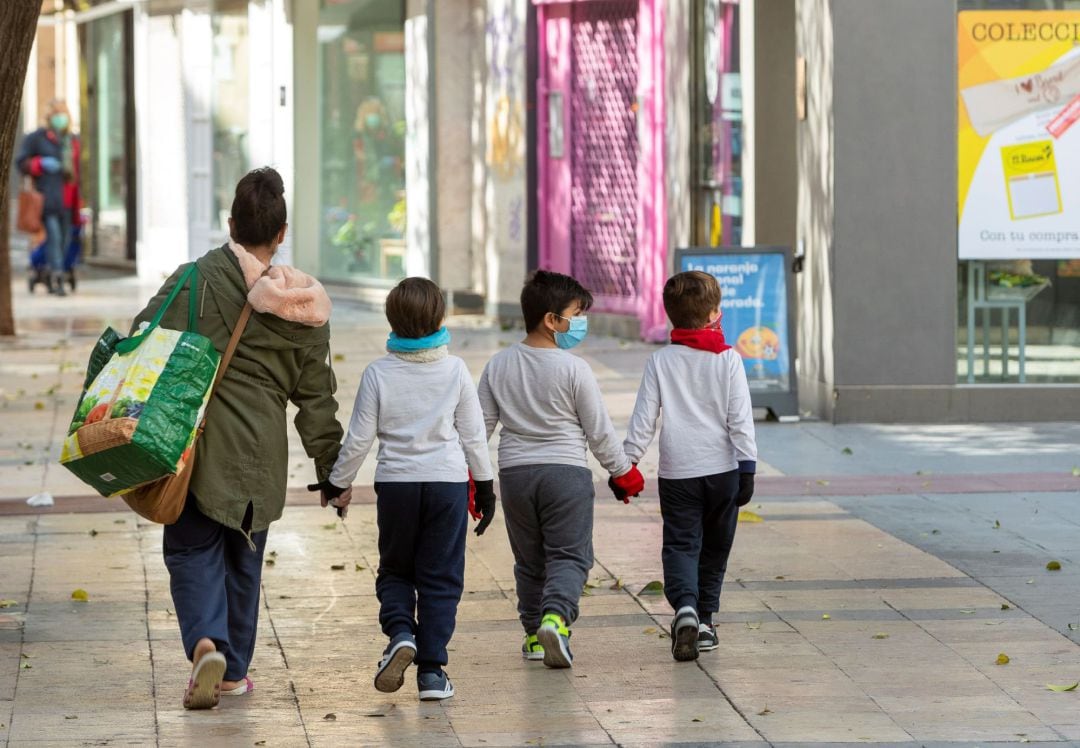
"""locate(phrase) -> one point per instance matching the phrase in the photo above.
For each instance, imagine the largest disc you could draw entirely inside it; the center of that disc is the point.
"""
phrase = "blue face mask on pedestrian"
(579, 328)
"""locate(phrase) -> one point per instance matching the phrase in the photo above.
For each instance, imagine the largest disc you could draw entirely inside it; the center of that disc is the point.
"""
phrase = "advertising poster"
(754, 302)
(1018, 141)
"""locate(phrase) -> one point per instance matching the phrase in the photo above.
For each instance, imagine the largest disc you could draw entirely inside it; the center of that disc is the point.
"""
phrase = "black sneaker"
(684, 634)
(434, 685)
(706, 638)
(397, 657)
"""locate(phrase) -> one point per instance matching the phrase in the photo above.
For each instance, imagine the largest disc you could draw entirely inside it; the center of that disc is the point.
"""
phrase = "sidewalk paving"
(891, 567)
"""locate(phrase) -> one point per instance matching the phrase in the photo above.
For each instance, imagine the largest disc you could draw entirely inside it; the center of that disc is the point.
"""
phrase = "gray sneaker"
(434, 685)
(397, 657)
(684, 634)
(706, 638)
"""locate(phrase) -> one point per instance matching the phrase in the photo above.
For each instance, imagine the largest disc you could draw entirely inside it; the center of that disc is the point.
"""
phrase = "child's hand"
(746, 489)
(473, 512)
(482, 503)
(628, 484)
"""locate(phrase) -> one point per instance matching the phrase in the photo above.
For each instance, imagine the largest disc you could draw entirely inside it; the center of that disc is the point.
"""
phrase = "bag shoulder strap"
(234, 340)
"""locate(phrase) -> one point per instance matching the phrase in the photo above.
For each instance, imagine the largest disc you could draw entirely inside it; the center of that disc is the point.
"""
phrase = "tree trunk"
(18, 25)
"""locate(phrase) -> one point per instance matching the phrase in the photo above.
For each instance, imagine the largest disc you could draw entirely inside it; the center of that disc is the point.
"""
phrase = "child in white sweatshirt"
(708, 454)
(422, 405)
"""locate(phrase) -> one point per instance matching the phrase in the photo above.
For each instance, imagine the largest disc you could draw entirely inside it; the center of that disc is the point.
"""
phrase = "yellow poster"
(1018, 140)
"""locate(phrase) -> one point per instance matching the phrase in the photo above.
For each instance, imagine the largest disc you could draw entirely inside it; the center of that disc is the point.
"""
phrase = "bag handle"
(191, 275)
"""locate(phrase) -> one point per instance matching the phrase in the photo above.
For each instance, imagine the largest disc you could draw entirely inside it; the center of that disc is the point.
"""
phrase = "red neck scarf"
(704, 339)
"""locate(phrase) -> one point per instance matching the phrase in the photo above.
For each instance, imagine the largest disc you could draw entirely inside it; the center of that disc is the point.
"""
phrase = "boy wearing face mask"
(708, 454)
(549, 404)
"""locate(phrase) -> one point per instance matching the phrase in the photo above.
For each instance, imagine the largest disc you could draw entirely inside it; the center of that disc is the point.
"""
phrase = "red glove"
(472, 498)
(632, 482)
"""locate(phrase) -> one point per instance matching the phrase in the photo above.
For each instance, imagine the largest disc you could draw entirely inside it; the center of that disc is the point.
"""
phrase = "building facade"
(474, 140)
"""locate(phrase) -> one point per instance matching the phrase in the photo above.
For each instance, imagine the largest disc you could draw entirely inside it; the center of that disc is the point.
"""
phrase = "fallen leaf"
(260, 742)
(1053, 566)
(968, 612)
(653, 588)
(330, 717)
(71, 716)
(26, 666)
(339, 357)
(846, 451)
(119, 521)
(39, 405)
(617, 586)
(8, 603)
(1030, 581)
(1076, 472)
(80, 595)
(591, 585)
(272, 554)
(935, 532)
(1074, 626)
(330, 526)
(696, 719)
(1062, 689)
(24, 656)
(997, 524)
(753, 625)
(826, 617)
(93, 533)
(779, 578)
(880, 636)
(1006, 606)
(381, 711)
(823, 482)
(1002, 659)
(765, 711)
(337, 567)
(650, 630)
(360, 568)
(747, 516)
(270, 562)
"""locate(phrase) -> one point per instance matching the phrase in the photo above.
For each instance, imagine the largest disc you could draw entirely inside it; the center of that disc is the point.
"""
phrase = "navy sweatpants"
(215, 578)
(700, 516)
(421, 563)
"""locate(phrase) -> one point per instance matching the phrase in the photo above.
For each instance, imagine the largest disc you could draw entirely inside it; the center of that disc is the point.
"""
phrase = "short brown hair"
(690, 297)
(415, 308)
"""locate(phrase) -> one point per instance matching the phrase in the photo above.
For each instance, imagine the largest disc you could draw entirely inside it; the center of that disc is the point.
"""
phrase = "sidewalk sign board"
(758, 306)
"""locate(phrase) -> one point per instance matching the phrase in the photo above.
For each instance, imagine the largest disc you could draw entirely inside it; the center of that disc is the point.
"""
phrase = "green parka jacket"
(242, 457)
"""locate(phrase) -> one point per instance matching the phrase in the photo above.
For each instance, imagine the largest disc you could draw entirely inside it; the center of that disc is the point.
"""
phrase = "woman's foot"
(237, 687)
(208, 669)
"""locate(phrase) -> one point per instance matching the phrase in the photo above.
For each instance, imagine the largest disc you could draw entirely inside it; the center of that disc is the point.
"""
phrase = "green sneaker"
(554, 637)
(531, 649)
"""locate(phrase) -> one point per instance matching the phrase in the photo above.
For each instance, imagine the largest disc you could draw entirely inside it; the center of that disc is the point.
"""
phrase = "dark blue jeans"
(57, 235)
(421, 563)
(215, 577)
(700, 516)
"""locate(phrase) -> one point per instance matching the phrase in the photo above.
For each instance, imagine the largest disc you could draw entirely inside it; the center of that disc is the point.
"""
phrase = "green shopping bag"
(137, 418)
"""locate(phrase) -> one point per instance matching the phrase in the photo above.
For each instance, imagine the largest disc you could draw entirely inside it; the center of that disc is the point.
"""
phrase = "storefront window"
(718, 124)
(105, 136)
(1018, 191)
(229, 104)
(362, 148)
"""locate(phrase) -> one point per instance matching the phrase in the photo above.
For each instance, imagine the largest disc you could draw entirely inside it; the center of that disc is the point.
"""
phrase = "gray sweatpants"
(548, 510)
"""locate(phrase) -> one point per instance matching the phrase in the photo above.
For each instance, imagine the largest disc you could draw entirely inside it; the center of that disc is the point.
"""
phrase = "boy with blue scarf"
(550, 407)
(422, 405)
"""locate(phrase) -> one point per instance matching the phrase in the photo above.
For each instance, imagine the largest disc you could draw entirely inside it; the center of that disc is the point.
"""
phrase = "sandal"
(246, 686)
(205, 684)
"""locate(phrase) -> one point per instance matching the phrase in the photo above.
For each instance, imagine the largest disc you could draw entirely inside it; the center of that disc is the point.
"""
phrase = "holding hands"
(630, 483)
(334, 496)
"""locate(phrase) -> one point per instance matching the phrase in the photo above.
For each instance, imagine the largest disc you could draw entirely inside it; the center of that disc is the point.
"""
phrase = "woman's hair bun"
(258, 209)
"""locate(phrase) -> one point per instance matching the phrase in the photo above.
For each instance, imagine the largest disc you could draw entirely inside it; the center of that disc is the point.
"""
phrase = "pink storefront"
(600, 152)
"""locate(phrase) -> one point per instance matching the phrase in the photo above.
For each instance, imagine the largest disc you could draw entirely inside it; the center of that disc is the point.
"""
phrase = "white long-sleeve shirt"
(708, 423)
(550, 406)
(428, 421)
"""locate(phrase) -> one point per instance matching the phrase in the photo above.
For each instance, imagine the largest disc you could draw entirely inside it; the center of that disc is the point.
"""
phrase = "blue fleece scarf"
(397, 344)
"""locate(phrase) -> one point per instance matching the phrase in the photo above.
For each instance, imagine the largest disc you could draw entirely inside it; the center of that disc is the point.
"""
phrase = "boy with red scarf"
(708, 454)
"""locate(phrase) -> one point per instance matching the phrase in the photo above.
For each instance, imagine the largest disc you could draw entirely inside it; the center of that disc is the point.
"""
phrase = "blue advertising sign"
(757, 316)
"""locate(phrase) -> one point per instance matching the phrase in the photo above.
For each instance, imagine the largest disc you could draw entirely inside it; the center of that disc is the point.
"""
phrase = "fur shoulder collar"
(283, 291)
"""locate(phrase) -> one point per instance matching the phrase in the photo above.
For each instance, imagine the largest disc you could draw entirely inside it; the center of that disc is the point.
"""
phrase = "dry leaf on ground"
(1060, 689)
(1002, 659)
(747, 516)
(81, 595)
(654, 587)
(1053, 566)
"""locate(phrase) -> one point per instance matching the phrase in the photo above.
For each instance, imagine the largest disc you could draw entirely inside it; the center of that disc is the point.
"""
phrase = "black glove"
(484, 503)
(746, 489)
(329, 492)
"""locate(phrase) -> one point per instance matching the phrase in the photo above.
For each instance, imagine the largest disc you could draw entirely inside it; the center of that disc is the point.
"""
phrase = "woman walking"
(50, 155)
(214, 552)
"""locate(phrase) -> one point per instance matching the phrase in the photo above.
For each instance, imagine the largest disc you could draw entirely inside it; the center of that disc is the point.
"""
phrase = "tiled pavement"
(869, 605)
